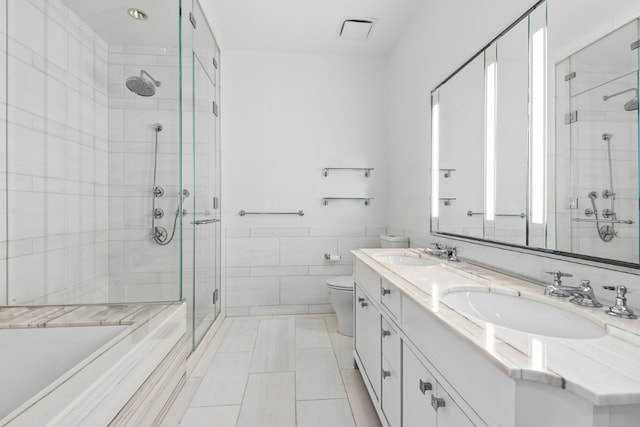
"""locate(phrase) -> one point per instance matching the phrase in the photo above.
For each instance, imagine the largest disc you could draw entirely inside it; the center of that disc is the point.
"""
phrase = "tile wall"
(141, 270)
(57, 154)
(282, 270)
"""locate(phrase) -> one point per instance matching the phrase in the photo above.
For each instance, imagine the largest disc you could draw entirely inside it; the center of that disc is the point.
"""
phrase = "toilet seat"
(341, 283)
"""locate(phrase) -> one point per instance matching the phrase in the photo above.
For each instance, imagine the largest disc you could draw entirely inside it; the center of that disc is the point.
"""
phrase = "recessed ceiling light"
(356, 29)
(137, 14)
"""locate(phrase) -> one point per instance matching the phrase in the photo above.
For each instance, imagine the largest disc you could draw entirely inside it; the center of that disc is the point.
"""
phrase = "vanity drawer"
(391, 298)
(368, 279)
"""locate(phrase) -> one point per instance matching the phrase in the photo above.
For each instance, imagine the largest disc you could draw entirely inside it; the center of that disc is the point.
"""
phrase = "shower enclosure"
(110, 185)
(597, 148)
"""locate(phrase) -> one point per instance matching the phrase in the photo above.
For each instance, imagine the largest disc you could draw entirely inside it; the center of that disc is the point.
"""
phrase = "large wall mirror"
(535, 138)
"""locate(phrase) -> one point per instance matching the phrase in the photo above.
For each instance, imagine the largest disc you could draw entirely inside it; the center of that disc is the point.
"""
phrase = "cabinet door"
(391, 383)
(367, 340)
(450, 414)
(417, 387)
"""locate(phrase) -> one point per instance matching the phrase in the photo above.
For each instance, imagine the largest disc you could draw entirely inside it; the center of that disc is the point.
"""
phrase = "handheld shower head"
(141, 86)
(593, 195)
(607, 136)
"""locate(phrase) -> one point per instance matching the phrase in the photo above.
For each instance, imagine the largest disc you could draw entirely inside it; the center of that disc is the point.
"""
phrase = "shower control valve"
(607, 193)
(588, 212)
(158, 213)
(158, 191)
(608, 213)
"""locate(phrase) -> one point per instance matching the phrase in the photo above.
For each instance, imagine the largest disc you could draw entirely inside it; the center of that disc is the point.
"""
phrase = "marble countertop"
(78, 315)
(603, 370)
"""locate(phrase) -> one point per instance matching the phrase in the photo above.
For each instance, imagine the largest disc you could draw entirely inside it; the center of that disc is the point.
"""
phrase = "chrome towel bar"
(299, 213)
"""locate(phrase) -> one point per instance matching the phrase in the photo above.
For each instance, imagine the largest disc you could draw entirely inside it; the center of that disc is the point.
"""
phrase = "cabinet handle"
(385, 333)
(363, 304)
(385, 374)
(437, 402)
(425, 386)
(385, 291)
(360, 299)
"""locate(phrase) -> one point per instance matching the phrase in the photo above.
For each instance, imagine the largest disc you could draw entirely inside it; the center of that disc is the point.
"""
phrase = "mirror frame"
(539, 251)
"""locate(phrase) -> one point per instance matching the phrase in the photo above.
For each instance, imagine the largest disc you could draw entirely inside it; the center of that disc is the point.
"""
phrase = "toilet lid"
(341, 282)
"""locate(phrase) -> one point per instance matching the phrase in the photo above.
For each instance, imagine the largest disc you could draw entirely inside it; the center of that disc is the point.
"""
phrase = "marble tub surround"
(95, 391)
(603, 371)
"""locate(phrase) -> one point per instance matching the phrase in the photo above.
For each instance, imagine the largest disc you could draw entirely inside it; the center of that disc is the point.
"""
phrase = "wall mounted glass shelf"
(367, 171)
(367, 200)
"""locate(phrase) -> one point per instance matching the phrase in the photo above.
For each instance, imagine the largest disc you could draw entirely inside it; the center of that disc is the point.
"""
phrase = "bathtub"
(90, 365)
(33, 358)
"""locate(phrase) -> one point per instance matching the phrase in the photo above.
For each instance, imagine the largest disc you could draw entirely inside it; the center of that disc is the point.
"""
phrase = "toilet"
(341, 296)
(341, 288)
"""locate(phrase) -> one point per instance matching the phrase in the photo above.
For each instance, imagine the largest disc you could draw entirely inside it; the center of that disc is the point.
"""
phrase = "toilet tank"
(393, 241)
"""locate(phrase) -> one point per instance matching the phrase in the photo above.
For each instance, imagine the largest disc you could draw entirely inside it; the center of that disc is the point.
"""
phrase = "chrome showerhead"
(593, 195)
(141, 86)
(630, 105)
(607, 136)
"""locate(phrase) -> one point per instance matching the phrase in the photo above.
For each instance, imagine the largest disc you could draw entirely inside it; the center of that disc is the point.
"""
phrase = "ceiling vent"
(356, 29)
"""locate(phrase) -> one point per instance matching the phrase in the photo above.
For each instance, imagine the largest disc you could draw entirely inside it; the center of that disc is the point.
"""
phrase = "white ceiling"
(309, 26)
(109, 18)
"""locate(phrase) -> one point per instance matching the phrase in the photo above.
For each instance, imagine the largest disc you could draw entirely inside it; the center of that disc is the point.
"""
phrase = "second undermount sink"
(403, 260)
(523, 314)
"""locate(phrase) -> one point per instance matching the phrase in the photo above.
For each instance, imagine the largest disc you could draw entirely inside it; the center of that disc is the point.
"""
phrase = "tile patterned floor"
(280, 371)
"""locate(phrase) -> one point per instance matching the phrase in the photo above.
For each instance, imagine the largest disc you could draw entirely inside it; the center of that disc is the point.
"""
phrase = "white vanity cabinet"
(367, 339)
(390, 369)
(425, 402)
(391, 373)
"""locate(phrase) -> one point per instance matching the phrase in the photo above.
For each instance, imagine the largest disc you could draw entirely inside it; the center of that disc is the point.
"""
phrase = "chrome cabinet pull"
(437, 402)
(385, 333)
(385, 374)
(360, 299)
(385, 291)
(425, 386)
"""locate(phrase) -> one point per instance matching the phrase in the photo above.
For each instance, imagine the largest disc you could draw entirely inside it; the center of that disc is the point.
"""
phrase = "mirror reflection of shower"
(159, 234)
(141, 86)
(631, 105)
(606, 231)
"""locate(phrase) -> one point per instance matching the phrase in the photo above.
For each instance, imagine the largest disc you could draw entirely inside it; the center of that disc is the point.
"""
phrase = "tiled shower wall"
(57, 154)
(141, 270)
(283, 271)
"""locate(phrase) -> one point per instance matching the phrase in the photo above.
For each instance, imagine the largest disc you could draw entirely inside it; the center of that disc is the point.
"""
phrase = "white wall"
(285, 118)
(440, 39)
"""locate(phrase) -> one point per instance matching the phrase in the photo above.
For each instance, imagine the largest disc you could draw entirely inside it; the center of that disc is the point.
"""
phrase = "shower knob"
(158, 191)
(607, 213)
(588, 212)
(158, 213)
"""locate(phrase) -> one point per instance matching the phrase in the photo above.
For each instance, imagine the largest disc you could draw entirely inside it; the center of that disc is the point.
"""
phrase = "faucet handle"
(620, 309)
(557, 274)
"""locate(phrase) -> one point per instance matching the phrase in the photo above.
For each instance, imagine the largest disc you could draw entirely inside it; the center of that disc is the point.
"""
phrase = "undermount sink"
(403, 260)
(523, 314)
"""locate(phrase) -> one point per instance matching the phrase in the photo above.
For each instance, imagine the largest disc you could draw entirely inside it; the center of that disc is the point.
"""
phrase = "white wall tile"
(246, 252)
(306, 251)
(252, 291)
(304, 290)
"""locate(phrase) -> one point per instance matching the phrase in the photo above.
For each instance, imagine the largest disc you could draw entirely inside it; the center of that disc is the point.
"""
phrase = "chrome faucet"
(582, 295)
(620, 309)
(443, 251)
(555, 289)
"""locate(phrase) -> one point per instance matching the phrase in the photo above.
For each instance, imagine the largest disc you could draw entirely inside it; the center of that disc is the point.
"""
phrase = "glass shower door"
(205, 217)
